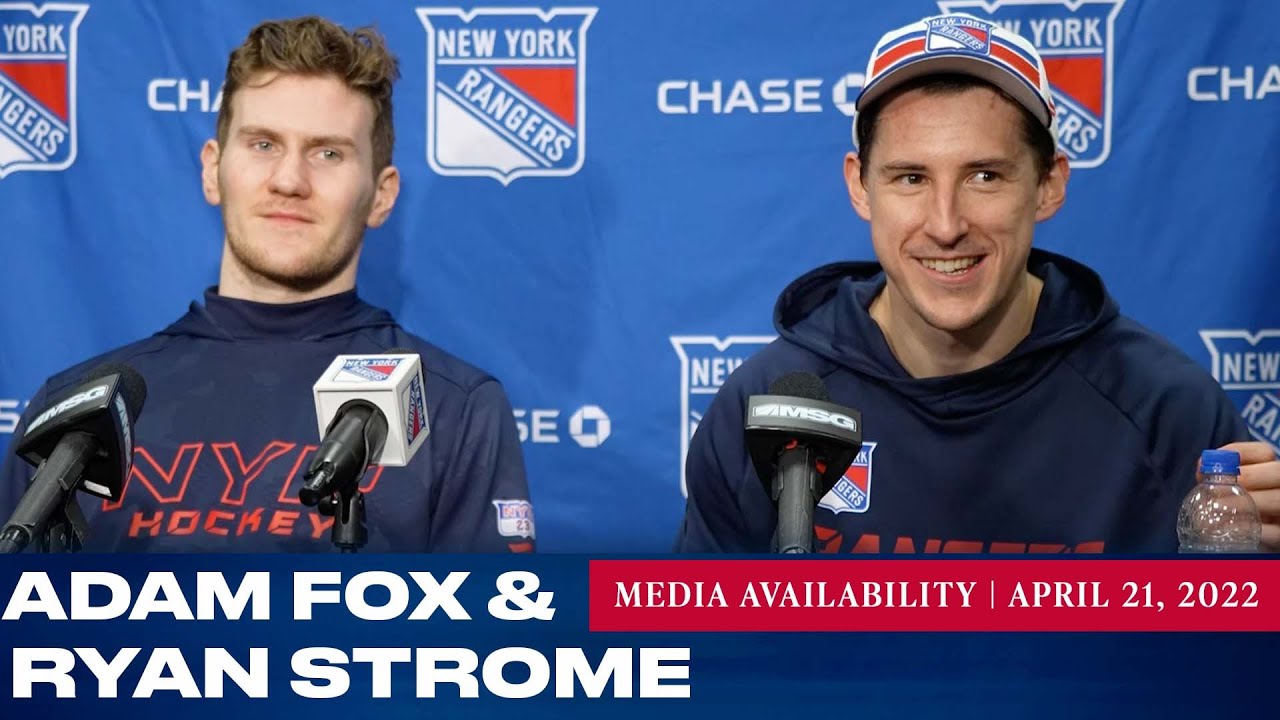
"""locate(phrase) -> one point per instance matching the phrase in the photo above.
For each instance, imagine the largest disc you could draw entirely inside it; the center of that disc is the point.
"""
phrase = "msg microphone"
(800, 445)
(371, 410)
(83, 440)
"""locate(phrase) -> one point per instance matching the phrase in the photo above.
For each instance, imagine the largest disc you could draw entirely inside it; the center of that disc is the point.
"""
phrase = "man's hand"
(1260, 475)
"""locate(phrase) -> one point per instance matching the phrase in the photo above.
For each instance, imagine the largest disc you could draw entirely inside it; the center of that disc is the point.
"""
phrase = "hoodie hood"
(826, 312)
(224, 318)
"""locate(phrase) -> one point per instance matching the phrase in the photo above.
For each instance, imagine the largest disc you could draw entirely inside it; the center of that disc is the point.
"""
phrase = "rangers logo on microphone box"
(366, 370)
(415, 410)
(393, 383)
(38, 85)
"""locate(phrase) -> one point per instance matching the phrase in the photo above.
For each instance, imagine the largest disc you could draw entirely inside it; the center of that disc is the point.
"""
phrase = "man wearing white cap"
(1007, 405)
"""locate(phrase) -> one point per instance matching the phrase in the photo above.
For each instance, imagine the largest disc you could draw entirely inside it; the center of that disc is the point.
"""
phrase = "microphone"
(800, 445)
(371, 410)
(83, 440)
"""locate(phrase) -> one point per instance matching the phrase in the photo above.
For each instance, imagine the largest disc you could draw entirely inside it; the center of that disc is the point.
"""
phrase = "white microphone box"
(392, 383)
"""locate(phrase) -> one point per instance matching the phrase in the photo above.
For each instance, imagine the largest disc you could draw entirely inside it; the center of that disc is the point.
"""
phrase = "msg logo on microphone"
(65, 405)
(803, 412)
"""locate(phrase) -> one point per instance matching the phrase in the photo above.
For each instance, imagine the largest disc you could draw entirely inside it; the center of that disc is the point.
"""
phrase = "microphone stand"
(346, 507)
(333, 481)
(48, 515)
(65, 533)
(67, 530)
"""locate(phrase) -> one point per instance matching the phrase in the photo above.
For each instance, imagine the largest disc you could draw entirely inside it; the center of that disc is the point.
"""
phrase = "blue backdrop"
(612, 273)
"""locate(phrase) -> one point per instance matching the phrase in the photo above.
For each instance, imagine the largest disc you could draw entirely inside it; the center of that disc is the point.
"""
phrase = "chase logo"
(706, 362)
(1247, 365)
(1076, 40)
(375, 369)
(38, 85)
(506, 91)
(853, 492)
(416, 411)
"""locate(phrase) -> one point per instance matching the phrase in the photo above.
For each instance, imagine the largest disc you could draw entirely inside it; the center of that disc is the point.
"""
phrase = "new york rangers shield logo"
(705, 363)
(853, 492)
(1247, 365)
(506, 91)
(38, 86)
(1076, 40)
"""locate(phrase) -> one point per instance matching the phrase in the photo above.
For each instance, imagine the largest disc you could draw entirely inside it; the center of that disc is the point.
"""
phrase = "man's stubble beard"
(315, 271)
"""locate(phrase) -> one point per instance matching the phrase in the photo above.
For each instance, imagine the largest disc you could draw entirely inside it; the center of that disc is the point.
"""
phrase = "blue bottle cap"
(1220, 462)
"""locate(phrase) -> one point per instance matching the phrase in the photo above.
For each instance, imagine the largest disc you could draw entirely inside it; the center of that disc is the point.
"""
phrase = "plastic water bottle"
(1218, 516)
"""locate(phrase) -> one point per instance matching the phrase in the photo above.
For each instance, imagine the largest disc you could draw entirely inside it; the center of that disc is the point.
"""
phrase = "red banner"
(934, 595)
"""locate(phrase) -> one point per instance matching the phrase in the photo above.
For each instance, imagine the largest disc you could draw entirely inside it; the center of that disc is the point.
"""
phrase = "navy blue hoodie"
(229, 427)
(1084, 438)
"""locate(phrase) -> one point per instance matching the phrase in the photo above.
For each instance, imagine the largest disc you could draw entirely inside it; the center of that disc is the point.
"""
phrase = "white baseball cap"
(964, 44)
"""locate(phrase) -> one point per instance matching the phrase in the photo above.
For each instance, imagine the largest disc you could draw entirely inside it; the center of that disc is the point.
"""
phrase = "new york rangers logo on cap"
(952, 33)
(853, 492)
(38, 85)
(506, 91)
(1076, 40)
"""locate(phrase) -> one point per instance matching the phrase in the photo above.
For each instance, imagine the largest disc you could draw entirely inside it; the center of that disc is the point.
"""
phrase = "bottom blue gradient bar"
(412, 635)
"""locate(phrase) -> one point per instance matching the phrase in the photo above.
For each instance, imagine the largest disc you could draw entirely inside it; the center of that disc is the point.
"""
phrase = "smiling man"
(301, 165)
(1008, 406)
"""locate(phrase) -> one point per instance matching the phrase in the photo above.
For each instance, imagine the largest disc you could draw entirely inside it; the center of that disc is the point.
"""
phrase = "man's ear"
(386, 190)
(210, 155)
(853, 181)
(1053, 188)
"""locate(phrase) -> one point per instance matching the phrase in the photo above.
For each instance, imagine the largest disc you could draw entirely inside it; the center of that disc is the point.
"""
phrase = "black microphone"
(800, 445)
(353, 440)
(83, 440)
(364, 390)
